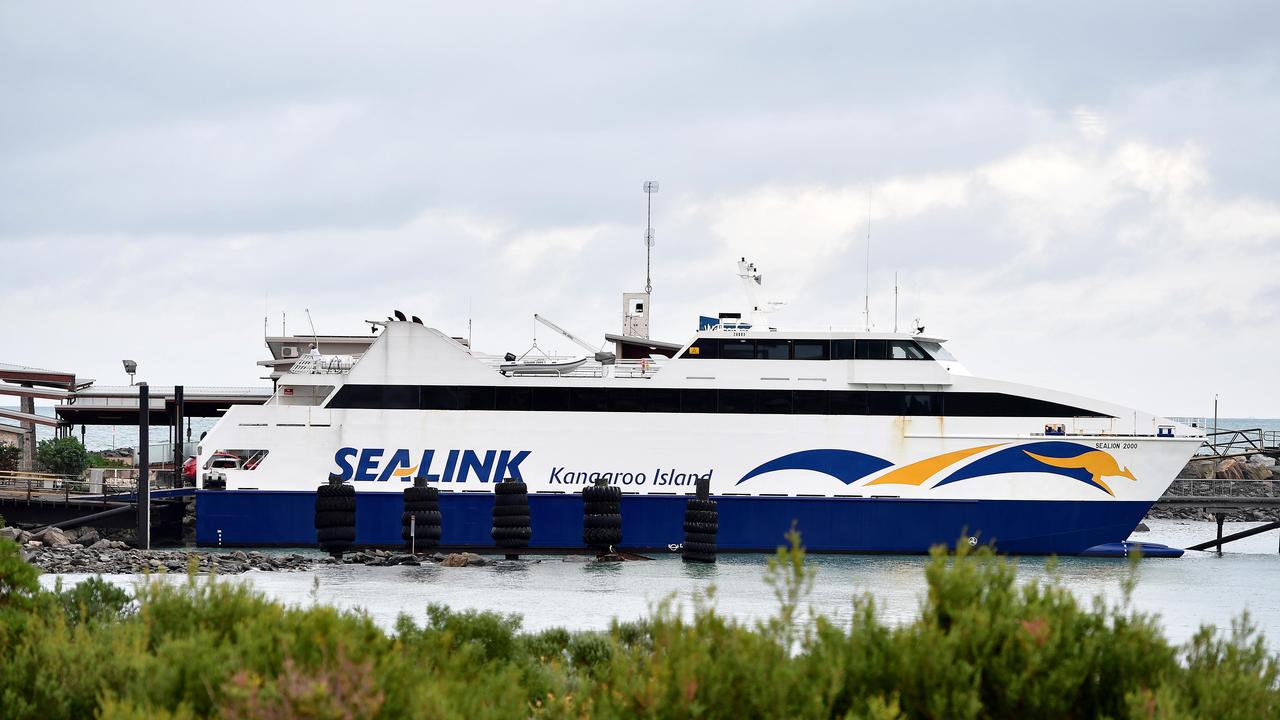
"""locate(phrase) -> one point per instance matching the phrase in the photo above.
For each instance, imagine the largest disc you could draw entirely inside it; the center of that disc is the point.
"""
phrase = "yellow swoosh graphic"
(917, 472)
(1094, 462)
(404, 472)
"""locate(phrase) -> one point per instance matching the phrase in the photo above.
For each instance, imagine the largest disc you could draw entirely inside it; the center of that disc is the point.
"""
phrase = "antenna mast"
(650, 187)
(866, 294)
(314, 337)
(895, 302)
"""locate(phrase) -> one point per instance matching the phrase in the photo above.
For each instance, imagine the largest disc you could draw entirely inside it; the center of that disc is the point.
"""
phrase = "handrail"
(45, 484)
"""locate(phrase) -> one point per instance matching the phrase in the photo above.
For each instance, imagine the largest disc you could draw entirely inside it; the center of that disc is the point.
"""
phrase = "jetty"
(1233, 475)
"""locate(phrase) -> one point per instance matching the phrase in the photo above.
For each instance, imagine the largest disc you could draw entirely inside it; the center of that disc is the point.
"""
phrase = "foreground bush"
(982, 647)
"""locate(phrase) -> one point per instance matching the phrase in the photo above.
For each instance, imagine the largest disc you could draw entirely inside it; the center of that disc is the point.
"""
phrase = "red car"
(189, 470)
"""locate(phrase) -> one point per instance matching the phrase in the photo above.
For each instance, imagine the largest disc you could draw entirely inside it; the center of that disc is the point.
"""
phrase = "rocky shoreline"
(1212, 478)
(53, 552)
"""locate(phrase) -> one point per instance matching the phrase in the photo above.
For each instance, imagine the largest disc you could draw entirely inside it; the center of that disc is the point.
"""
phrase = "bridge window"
(773, 349)
(842, 349)
(707, 348)
(906, 350)
(937, 351)
(737, 349)
(810, 349)
(871, 350)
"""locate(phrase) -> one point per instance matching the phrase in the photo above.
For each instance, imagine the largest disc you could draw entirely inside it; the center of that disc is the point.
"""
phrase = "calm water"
(1199, 588)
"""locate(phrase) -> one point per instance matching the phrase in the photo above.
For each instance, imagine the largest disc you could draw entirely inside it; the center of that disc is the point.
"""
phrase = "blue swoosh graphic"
(1016, 460)
(846, 466)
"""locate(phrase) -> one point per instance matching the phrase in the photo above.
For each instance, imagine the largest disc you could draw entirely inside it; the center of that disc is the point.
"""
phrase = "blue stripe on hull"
(853, 525)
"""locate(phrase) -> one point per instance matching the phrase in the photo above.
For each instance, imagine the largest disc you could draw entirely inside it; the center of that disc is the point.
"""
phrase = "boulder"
(464, 560)
(1263, 460)
(1254, 471)
(52, 537)
(87, 536)
(10, 533)
(1230, 469)
(1198, 469)
(1142, 527)
(101, 545)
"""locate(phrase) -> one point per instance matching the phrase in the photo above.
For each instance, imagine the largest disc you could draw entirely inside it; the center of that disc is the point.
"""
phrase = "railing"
(1220, 443)
(123, 481)
(323, 365)
(590, 369)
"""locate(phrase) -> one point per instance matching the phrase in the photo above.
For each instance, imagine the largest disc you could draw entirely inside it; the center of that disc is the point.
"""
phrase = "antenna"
(866, 294)
(283, 325)
(895, 302)
(650, 187)
(314, 337)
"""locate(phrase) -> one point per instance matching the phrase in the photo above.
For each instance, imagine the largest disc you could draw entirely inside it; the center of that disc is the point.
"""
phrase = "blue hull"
(652, 522)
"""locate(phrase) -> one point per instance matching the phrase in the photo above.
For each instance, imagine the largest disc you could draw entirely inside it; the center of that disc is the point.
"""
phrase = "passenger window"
(921, 404)
(842, 349)
(515, 398)
(773, 349)
(773, 402)
(848, 402)
(872, 350)
(697, 401)
(737, 349)
(810, 402)
(589, 399)
(906, 350)
(811, 349)
(665, 400)
(737, 401)
(551, 398)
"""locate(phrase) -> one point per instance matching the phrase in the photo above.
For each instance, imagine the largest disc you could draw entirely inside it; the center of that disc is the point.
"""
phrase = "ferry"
(868, 442)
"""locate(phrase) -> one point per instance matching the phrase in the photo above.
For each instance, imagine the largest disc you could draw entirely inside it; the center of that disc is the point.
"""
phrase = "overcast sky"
(1081, 196)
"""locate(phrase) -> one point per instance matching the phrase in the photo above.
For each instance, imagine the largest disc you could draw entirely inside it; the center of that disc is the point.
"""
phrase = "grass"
(983, 646)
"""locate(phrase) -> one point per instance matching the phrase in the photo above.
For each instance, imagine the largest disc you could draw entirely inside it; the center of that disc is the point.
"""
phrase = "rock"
(10, 533)
(87, 537)
(1230, 469)
(1263, 460)
(1142, 527)
(53, 537)
(101, 545)
(464, 560)
(1198, 469)
(1255, 471)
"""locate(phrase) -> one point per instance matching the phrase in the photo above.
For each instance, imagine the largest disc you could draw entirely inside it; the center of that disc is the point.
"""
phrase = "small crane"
(601, 356)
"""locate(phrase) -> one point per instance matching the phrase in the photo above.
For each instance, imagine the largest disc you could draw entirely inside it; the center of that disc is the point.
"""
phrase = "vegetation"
(98, 460)
(62, 456)
(10, 457)
(982, 647)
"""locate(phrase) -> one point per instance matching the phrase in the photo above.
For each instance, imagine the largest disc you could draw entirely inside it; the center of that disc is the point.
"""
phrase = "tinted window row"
(672, 400)
(775, 349)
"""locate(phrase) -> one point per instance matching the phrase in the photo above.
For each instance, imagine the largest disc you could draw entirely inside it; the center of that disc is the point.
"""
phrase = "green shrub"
(62, 456)
(10, 457)
(982, 646)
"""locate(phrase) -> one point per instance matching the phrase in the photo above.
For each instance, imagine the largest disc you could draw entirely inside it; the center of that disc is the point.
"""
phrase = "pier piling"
(144, 466)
